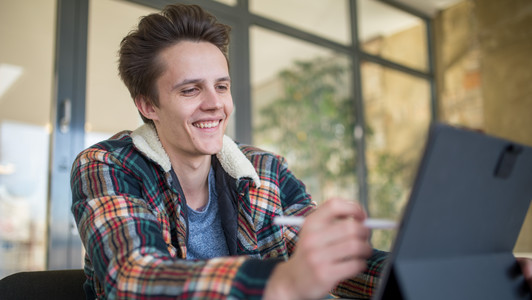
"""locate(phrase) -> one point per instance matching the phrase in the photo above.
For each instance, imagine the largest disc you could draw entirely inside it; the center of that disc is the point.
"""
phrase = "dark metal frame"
(64, 247)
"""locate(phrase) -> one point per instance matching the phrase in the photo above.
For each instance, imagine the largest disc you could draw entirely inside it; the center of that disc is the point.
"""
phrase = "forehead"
(193, 59)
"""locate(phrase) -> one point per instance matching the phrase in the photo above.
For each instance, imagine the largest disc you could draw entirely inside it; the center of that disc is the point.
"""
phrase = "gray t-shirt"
(206, 237)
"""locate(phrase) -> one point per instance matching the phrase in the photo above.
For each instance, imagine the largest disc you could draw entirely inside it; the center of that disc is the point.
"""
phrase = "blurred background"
(344, 89)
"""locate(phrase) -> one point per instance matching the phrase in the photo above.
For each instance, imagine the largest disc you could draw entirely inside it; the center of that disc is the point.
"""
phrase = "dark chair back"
(57, 285)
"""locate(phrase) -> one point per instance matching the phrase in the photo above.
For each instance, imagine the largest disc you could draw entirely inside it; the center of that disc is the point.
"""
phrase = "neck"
(193, 177)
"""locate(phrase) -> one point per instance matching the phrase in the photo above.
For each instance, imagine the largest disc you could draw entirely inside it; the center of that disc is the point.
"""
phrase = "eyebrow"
(193, 81)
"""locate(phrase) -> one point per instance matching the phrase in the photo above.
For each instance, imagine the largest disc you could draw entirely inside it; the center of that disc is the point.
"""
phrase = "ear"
(146, 108)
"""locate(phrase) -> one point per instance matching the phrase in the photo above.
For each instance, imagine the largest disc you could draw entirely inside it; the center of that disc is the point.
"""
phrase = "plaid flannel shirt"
(132, 221)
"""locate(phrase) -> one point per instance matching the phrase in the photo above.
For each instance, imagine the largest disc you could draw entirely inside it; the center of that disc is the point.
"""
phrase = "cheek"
(229, 106)
(180, 112)
(173, 120)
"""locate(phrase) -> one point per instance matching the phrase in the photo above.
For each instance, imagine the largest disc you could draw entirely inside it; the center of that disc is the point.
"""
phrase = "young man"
(175, 208)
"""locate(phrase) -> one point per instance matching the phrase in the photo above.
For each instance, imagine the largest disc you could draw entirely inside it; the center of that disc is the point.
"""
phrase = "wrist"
(280, 285)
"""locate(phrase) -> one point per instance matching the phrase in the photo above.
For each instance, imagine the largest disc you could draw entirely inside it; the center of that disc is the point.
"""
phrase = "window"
(327, 19)
(109, 22)
(392, 34)
(304, 110)
(397, 113)
(25, 104)
(358, 137)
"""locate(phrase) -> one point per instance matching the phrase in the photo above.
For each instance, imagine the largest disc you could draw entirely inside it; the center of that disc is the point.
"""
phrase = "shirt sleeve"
(124, 241)
(365, 284)
(296, 202)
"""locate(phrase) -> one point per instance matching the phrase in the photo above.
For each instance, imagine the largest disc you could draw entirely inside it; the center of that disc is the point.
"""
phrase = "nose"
(212, 100)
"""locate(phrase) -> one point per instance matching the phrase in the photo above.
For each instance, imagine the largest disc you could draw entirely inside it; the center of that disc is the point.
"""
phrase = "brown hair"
(138, 63)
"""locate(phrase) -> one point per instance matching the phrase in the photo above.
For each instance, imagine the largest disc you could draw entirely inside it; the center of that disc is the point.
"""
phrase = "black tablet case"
(462, 220)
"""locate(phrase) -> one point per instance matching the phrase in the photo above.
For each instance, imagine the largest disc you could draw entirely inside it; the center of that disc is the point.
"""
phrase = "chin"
(213, 147)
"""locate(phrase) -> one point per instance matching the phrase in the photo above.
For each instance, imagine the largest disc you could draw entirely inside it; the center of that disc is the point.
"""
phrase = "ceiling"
(430, 7)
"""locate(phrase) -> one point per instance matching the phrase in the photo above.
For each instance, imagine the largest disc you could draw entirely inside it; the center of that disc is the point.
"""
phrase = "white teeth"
(210, 124)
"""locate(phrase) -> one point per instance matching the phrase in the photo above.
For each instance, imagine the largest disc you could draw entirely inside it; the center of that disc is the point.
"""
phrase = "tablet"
(459, 227)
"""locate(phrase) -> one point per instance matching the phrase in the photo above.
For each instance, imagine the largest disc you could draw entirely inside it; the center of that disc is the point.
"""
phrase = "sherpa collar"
(233, 161)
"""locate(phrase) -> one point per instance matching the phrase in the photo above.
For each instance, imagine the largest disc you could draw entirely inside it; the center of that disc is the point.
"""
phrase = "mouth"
(206, 124)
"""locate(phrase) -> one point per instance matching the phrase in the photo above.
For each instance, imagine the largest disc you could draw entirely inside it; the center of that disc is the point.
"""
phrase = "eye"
(189, 91)
(222, 87)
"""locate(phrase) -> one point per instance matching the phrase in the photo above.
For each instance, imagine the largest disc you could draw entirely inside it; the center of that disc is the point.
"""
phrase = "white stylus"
(369, 223)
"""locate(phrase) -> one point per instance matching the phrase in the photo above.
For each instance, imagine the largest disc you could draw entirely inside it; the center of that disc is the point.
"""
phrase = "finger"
(347, 208)
(344, 229)
(335, 209)
(331, 273)
(344, 270)
(350, 250)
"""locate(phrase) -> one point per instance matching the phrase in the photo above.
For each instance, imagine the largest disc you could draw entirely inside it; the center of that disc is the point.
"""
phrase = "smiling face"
(194, 100)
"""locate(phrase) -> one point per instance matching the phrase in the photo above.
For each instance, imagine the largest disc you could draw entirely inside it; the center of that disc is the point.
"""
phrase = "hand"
(526, 268)
(333, 245)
